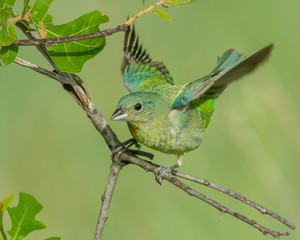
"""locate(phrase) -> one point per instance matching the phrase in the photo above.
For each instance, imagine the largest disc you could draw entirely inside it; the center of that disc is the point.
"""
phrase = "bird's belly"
(169, 139)
(180, 142)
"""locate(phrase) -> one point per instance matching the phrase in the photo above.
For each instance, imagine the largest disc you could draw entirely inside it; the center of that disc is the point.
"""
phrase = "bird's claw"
(160, 172)
(126, 145)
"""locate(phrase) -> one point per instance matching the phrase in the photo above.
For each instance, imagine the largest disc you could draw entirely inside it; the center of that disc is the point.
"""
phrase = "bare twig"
(77, 90)
(236, 195)
(147, 166)
(58, 77)
(107, 196)
(53, 41)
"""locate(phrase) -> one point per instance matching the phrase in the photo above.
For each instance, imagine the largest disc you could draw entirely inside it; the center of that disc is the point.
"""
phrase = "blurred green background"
(49, 148)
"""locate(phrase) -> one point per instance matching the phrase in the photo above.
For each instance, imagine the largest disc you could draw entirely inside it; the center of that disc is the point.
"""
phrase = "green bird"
(173, 118)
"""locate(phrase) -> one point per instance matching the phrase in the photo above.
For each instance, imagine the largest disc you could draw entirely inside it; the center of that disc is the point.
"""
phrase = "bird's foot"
(160, 172)
(126, 145)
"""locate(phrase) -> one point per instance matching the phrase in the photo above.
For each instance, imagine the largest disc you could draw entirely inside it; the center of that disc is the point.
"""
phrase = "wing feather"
(137, 66)
(230, 67)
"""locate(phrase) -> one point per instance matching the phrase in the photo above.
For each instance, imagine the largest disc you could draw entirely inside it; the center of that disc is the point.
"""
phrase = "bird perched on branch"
(173, 118)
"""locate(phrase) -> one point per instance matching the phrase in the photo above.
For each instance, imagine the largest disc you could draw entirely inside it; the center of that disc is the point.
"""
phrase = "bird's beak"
(119, 114)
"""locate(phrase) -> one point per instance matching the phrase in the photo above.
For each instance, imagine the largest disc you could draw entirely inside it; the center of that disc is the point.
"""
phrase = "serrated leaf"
(163, 15)
(71, 56)
(39, 13)
(22, 217)
(8, 54)
(7, 32)
(181, 3)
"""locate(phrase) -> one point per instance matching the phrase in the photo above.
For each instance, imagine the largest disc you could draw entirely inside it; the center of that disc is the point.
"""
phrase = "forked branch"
(150, 167)
(104, 33)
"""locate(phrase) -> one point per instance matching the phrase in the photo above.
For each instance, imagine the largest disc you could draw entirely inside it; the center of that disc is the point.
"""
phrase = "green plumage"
(167, 117)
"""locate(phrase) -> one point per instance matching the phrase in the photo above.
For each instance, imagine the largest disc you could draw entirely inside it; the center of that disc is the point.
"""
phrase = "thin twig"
(224, 209)
(144, 11)
(76, 86)
(93, 113)
(53, 41)
(106, 198)
(147, 166)
(235, 195)
(32, 36)
(104, 33)
(53, 75)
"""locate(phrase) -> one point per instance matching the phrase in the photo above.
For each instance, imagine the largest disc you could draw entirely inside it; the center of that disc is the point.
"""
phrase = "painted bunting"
(173, 118)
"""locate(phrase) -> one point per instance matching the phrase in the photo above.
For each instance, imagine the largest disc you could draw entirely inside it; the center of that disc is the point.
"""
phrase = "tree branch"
(235, 195)
(144, 11)
(54, 41)
(115, 169)
(148, 166)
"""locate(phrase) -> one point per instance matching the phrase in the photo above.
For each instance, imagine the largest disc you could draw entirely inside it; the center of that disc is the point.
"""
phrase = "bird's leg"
(130, 142)
(163, 170)
(127, 144)
(178, 162)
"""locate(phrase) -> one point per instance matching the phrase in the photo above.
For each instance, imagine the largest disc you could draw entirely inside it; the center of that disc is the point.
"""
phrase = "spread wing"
(230, 67)
(137, 65)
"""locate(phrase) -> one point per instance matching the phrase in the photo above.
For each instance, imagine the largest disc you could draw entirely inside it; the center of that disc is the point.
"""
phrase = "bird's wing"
(230, 67)
(137, 65)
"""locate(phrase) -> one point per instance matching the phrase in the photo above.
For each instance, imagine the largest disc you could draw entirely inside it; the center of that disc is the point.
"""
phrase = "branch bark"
(148, 166)
(76, 88)
(107, 197)
(54, 41)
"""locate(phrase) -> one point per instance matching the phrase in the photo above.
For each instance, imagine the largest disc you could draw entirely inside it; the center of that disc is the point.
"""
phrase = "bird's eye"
(138, 106)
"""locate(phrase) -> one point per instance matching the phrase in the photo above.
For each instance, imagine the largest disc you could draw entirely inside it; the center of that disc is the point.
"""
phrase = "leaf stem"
(2, 229)
(144, 11)
(20, 18)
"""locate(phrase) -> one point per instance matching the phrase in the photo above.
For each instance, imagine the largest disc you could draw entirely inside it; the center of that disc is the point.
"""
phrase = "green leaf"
(22, 217)
(53, 238)
(7, 32)
(71, 56)
(3, 206)
(7, 3)
(39, 13)
(181, 3)
(5, 203)
(163, 15)
(8, 54)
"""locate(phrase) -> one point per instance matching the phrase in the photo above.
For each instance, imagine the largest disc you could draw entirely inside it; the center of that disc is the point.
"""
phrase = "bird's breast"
(179, 132)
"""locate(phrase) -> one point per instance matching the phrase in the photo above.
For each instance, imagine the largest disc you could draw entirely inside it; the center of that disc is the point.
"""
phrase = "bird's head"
(139, 107)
